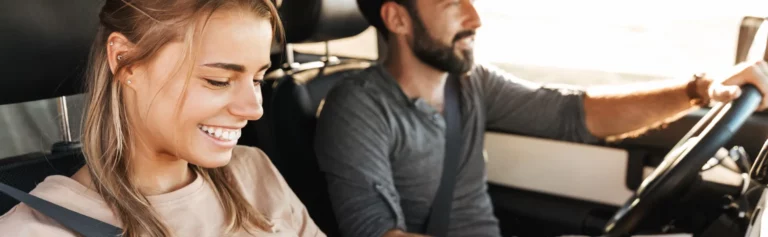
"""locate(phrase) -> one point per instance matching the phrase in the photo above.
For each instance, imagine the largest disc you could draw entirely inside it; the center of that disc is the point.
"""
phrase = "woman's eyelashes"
(217, 83)
(225, 82)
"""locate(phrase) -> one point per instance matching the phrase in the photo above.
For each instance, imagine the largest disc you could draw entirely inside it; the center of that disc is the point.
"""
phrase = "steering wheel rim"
(685, 160)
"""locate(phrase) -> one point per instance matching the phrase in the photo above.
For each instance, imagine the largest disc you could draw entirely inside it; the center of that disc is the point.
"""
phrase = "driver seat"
(299, 95)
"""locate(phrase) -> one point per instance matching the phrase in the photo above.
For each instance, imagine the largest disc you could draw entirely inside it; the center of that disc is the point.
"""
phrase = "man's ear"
(396, 18)
(118, 49)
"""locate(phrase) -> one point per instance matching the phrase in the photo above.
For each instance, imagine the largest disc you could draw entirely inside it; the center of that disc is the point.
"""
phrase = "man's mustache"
(463, 34)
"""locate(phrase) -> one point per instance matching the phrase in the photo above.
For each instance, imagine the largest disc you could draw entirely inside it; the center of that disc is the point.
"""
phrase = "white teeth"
(221, 133)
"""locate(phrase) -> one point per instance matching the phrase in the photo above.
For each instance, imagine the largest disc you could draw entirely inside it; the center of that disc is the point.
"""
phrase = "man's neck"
(416, 78)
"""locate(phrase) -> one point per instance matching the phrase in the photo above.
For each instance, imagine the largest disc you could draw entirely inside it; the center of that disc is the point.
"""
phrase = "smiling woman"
(171, 84)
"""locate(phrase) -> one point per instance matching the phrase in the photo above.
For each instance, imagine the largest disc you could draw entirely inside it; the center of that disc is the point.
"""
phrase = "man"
(381, 136)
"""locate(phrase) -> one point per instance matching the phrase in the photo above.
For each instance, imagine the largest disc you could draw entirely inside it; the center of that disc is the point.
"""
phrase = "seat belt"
(440, 212)
(79, 223)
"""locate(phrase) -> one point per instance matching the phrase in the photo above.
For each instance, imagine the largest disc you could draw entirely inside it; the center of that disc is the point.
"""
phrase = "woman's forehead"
(236, 37)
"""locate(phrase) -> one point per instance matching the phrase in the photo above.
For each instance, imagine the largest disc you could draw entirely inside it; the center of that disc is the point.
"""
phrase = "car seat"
(298, 96)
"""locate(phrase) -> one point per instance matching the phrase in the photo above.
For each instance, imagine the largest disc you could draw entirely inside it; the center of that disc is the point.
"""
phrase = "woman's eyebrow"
(227, 66)
(235, 67)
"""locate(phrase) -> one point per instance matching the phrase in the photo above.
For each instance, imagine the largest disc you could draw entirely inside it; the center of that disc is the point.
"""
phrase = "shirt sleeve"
(519, 106)
(353, 147)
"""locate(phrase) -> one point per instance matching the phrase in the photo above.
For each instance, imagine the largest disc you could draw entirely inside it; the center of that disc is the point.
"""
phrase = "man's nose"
(246, 102)
(472, 19)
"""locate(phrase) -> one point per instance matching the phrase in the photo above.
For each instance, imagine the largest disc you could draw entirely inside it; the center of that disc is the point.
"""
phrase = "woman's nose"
(246, 103)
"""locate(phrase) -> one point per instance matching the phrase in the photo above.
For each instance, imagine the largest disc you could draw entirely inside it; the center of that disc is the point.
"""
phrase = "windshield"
(610, 42)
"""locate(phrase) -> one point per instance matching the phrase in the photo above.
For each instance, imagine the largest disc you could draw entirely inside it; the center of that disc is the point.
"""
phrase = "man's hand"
(729, 88)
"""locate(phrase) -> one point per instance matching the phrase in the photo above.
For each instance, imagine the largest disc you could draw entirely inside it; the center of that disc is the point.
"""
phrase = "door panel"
(579, 171)
(596, 173)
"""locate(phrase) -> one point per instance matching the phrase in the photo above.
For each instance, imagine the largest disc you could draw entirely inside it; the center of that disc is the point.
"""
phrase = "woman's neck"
(152, 175)
(161, 173)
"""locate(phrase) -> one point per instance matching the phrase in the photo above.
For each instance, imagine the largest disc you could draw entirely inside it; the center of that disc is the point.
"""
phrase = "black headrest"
(44, 47)
(321, 20)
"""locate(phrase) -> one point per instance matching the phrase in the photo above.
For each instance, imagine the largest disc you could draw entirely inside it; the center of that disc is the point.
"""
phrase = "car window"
(34, 126)
(610, 42)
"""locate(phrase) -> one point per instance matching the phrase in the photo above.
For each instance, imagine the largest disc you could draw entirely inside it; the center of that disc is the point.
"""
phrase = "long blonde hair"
(107, 138)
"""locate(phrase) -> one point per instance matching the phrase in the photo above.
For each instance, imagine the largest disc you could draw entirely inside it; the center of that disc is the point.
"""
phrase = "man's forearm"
(621, 111)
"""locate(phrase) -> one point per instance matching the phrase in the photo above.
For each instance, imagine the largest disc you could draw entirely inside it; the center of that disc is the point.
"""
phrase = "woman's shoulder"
(23, 220)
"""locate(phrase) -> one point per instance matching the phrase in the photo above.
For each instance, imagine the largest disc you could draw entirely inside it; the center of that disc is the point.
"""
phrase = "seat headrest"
(307, 21)
(44, 47)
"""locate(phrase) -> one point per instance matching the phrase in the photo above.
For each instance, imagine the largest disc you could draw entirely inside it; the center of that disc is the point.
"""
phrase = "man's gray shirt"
(382, 152)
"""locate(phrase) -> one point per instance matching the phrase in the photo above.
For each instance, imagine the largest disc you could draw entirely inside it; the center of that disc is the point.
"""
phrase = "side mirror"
(749, 34)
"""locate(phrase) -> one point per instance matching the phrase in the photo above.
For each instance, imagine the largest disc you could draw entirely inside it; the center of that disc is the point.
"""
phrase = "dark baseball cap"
(371, 11)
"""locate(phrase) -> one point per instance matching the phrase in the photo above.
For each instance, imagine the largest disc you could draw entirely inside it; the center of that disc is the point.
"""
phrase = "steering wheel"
(684, 161)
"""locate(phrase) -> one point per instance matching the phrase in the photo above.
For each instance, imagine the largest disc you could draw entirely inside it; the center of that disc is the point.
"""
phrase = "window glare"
(649, 39)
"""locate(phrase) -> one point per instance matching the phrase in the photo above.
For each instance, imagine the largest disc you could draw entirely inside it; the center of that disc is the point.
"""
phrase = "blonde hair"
(107, 138)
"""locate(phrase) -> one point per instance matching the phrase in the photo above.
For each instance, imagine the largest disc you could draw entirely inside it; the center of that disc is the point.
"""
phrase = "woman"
(171, 84)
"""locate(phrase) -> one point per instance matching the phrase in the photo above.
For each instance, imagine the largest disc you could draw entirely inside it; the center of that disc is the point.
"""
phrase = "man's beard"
(434, 53)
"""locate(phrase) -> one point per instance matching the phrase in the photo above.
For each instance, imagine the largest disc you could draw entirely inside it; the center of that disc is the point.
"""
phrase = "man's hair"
(371, 11)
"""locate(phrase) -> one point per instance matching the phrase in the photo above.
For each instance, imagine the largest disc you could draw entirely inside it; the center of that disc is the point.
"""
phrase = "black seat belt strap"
(440, 213)
(79, 223)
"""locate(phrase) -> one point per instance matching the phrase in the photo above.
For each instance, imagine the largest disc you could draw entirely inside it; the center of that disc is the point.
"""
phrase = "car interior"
(701, 175)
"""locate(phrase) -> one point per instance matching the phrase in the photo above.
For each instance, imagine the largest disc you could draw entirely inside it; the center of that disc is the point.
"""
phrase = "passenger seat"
(44, 56)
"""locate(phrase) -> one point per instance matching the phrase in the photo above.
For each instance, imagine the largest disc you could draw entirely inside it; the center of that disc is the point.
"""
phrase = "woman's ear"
(118, 48)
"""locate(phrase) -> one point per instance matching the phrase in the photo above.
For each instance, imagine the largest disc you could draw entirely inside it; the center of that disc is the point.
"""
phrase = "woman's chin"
(213, 159)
